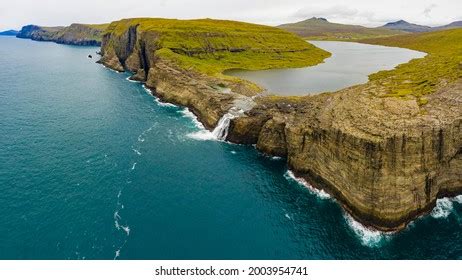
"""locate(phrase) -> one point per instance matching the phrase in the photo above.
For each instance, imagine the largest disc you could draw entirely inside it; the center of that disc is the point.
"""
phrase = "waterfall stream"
(221, 130)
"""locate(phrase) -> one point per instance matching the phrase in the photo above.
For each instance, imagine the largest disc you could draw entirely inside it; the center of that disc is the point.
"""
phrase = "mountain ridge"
(322, 29)
(406, 26)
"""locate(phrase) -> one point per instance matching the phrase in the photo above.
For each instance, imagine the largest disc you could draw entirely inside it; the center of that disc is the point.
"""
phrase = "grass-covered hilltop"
(212, 46)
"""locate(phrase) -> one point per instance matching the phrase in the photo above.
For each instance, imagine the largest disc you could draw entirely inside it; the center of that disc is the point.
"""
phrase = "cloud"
(16, 13)
(329, 12)
(428, 10)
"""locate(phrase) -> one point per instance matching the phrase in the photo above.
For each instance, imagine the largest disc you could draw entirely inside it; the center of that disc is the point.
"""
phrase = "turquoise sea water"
(92, 167)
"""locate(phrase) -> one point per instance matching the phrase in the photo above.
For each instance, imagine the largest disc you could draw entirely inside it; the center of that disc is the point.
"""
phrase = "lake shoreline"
(350, 64)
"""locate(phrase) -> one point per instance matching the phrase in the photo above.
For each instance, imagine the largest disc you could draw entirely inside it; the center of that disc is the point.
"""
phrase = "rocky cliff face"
(38, 33)
(208, 97)
(75, 34)
(385, 159)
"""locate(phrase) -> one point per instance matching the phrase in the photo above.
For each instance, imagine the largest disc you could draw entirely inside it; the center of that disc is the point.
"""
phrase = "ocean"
(92, 166)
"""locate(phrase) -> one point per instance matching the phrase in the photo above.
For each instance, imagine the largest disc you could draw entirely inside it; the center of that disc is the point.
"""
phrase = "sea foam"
(131, 81)
(289, 175)
(157, 99)
(368, 237)
(203, 133)
(445, 206)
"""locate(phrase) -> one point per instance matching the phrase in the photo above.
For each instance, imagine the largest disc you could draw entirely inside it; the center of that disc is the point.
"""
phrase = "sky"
(17, 13)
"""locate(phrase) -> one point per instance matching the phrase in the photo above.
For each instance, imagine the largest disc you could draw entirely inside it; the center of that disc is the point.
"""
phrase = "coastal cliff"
(75, 34)
(386, 150)
(182, 60)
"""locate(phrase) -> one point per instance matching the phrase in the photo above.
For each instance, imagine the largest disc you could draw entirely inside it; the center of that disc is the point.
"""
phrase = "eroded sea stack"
(386, 149)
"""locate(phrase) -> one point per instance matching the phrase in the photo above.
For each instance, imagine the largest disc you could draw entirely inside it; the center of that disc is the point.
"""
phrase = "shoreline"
(313, 186)
(387, 159)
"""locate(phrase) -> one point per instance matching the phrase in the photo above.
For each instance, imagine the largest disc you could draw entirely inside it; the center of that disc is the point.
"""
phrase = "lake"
(350, 64)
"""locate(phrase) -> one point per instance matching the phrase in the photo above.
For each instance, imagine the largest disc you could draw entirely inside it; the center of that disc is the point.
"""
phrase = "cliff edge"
(386, 150)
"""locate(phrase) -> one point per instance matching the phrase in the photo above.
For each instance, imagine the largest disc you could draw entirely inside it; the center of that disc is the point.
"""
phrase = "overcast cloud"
(16, 13)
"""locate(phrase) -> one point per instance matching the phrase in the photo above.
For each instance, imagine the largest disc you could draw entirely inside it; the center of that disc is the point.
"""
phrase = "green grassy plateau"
(83, 31)
(213, 46)
(419, 77)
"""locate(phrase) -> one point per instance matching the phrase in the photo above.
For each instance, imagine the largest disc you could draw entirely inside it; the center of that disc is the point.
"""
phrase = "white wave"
(137, 152)
(133, 166)
(288, 216)
(458, 199)
(157, 99)
(201, 135)
(130, 80)
(117, 254)
(443, 208)
(146, 89)
(141, 136)
(116, 215)
(276, 158)
(188, 114)
(111, 69)
(163, 104)
(369, 237)
(126, 229)
(233, 152)
(289, 175)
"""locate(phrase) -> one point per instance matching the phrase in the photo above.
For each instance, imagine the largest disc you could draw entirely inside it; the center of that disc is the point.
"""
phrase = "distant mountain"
(321, 28)
(406, 26)
(455, 24)
(9, 33)
(411, 27)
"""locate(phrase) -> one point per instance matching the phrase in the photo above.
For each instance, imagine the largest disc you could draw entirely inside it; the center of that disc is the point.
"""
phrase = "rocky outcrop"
(385, 159)
(75, 34)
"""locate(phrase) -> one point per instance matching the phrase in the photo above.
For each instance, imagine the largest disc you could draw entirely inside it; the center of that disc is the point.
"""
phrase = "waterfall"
(221, 130)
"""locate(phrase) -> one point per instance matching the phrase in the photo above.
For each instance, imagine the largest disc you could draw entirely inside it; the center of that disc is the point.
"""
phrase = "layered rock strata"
(385, 159)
